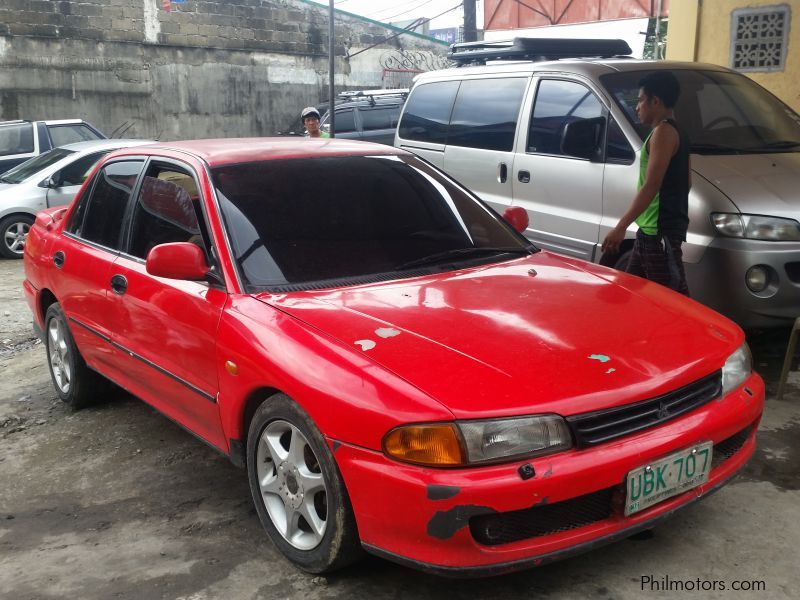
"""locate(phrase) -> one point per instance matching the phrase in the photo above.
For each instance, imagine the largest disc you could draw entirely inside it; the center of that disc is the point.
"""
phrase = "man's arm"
(663, 145)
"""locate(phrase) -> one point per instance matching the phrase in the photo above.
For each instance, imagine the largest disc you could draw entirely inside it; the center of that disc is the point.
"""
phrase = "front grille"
(604, 425)
(544, 519)
(730, 446)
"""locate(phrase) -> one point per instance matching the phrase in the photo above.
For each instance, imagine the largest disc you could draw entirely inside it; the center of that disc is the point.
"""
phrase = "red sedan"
(399, 369)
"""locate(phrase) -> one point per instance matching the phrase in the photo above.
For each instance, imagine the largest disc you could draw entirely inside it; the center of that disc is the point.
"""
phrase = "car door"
(480, 142)
(562, 192)
(378, 123)
(167, 327)
(84, 255)
(67, 181)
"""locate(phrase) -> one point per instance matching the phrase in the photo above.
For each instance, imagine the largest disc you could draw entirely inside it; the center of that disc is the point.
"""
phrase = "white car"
(47, 180)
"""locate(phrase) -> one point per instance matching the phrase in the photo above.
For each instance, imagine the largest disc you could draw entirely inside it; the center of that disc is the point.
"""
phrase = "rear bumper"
(424, 518)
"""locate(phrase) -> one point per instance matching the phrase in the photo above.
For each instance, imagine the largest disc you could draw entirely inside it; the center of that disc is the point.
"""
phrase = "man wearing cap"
(310, 117)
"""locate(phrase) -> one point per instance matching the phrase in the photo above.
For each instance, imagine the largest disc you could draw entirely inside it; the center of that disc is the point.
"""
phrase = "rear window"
(379, 118)
(16, 139)
(427, 114)
(295, 221)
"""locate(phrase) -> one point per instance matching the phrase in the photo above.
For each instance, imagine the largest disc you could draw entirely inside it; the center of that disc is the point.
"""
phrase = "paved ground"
(118, 502)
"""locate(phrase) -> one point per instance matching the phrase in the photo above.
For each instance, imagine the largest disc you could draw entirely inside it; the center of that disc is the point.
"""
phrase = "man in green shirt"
(310, 117)
(660, 207)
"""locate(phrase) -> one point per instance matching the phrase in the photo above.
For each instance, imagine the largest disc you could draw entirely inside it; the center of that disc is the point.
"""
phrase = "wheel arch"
(609, 260)
(250, 404)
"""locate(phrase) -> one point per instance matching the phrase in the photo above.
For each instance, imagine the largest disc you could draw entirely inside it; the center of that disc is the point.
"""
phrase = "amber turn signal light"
(436, 445)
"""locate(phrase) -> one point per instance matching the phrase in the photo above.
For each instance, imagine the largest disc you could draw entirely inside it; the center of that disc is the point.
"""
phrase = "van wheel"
(13, 231)
(623, 260)
(298, 492)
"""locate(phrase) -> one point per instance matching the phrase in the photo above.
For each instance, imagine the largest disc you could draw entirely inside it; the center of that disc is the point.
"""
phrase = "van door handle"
(119, 284)
(524, 176)
(502, 172)
(58, 259)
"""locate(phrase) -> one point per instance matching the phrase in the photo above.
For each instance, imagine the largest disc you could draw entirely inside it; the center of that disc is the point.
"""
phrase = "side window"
(77, 172)
(559, 103)
(166, 211)
(99, 214)
(67, 134)
(486, 112)
(379, 118)
(16, 139)
(617, 147)
(345, 121)
(427, 114)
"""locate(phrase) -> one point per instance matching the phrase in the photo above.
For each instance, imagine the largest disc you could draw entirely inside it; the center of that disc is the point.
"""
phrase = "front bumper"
(425, 518)
(718, 281)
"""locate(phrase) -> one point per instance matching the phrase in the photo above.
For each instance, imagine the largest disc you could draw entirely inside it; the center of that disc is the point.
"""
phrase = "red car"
(399, 369)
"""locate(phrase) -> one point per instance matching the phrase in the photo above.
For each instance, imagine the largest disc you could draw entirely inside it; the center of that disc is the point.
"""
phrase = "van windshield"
(722, 112)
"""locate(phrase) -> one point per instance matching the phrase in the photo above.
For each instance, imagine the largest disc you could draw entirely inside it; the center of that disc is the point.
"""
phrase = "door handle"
(58, 259)
(119, 284)
(502, 172)
(524, 176)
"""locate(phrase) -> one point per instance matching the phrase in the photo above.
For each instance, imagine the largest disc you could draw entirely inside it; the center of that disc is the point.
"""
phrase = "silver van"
(558, 135)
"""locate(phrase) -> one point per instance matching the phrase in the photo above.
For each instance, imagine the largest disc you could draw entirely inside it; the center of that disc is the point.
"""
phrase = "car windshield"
(31, 167)
(722, 112)
(324, 221)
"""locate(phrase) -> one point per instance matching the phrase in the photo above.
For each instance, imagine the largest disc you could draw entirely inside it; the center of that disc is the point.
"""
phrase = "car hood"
(764, 184)
(539, 334)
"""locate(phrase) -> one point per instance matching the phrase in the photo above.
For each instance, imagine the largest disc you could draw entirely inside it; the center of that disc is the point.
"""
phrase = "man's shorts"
(660, 259)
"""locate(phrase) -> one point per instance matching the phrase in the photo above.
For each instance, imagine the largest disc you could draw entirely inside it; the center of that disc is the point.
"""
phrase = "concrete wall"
(205, 69)
(701, 31)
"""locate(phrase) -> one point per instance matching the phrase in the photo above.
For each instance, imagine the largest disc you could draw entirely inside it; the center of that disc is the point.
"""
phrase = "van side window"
(345, 121)
(559, 103)
(618, 150)
(486, 112)
(427, 113)
(379, 118)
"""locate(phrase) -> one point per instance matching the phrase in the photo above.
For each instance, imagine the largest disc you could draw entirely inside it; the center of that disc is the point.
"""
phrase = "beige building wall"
(700, 30)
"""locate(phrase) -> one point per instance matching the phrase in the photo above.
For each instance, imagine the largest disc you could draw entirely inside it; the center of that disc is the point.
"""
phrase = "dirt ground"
(118, 502)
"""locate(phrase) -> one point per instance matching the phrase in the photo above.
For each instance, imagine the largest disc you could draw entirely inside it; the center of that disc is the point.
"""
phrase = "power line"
(374, 14)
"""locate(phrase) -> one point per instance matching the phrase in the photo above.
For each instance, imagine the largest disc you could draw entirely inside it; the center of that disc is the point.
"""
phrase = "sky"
(393, 11)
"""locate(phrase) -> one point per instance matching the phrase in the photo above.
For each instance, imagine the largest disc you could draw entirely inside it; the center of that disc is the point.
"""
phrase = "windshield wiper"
(716, 148)
(777, 145)
(460, 253)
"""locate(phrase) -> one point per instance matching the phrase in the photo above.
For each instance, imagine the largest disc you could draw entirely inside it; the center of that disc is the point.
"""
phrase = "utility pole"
(470, 30)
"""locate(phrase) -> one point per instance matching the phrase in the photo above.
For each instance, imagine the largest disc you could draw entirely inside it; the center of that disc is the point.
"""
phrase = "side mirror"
(582, 138)
(517, 217)
(177, 260)
(52, 182)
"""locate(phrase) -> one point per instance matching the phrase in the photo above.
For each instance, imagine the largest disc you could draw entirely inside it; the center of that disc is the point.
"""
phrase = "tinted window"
(31, 167)
(166, 211)
(105, 206)
(559, 103)
(345, 121)
(372, 215)
(77, 172)
(379, 118)
(67, 134)
(16, 139)
(485, 113)
(617, 147)
(722, 112)
(427, 114)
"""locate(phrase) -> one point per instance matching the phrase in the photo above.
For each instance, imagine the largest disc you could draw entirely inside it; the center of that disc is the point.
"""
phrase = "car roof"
(91, 145)
(218, 152)
(590, 68)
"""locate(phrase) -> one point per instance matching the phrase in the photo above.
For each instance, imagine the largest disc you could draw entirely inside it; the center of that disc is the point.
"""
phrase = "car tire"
(621, 263)
(13, 231)
(297, 489)
(76, 384)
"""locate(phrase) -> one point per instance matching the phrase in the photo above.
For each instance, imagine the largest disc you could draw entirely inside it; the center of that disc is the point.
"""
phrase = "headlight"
(756, 227)
(736, 369)
(478, 442)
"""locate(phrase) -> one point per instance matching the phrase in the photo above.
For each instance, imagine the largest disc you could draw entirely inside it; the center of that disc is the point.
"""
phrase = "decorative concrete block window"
(759, 37)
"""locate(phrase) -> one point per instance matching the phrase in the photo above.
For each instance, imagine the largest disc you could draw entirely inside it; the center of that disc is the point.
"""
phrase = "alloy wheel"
(15, 235)
(58, 355)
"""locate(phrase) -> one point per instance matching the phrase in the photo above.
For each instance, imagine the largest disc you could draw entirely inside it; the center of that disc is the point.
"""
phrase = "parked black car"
(369, 115)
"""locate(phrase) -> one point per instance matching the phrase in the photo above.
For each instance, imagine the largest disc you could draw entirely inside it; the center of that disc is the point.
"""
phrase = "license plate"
(666, 477)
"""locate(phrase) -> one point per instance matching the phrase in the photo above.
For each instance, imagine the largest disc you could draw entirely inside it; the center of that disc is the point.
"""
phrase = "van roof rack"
(537, 49)
(370, 95)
